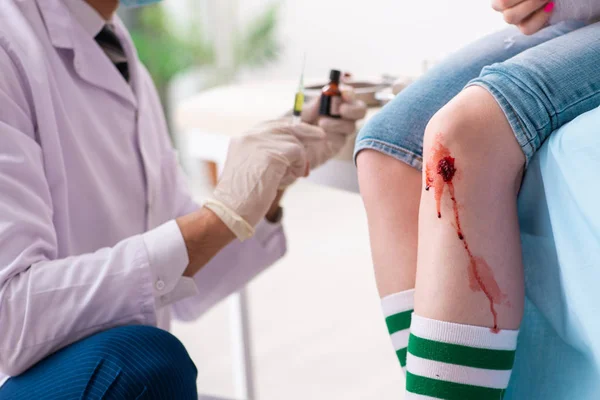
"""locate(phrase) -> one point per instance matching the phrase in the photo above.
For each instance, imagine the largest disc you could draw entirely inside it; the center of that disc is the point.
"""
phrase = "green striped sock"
(458, 362)
(397, 309)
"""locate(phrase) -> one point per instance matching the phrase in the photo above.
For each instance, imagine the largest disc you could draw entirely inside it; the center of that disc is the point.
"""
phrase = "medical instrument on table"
(331, 96)
(299, 98)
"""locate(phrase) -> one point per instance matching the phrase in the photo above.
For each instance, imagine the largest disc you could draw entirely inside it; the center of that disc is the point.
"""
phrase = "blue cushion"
(559, 344)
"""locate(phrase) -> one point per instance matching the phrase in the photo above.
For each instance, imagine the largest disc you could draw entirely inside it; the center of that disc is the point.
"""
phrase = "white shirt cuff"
(168, 260)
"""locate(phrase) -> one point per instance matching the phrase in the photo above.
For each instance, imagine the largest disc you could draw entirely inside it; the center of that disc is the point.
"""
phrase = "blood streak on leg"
(481, 278)
(440, 172)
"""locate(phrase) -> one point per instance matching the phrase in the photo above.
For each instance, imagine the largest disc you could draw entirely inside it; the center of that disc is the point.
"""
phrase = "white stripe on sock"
(400, 339)
(457, 373)
(398, 302)
(414, 396)
(466, 335)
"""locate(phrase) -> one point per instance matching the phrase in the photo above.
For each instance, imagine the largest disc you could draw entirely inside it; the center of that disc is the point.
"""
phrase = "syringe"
(299, 98)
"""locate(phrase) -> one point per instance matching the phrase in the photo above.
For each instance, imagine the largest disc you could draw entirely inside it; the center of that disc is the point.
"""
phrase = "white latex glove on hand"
(338, 130)
(271, 156)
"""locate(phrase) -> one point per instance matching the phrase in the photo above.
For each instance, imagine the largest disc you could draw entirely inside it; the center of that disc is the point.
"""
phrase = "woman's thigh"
(398, 129)
(543, 88)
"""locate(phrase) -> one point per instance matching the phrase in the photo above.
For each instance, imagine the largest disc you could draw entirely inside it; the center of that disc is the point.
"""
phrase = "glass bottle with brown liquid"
(331, 96)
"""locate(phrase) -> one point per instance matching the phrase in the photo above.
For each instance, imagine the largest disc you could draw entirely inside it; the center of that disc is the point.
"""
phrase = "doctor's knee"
(148, 360)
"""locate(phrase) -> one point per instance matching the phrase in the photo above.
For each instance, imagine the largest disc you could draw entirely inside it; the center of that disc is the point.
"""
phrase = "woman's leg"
(389, 167)
(469, 245)
(469, 291)
(392, 244)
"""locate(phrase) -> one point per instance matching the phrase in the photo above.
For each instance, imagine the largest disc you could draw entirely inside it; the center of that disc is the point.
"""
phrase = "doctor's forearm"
(204, 235)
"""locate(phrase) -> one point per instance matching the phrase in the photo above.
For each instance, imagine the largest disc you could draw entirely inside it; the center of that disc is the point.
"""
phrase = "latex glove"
(337, 130)
(528, 15)
(257, 165)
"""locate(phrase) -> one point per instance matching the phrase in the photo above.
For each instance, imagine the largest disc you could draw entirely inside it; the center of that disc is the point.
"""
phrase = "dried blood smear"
(440, 172)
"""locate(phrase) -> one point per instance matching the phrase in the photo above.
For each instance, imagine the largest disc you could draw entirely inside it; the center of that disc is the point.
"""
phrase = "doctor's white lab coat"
(89, 188)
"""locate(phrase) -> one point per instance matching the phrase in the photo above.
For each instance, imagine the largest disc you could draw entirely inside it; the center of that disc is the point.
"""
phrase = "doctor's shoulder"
(24, 67)
(23, 37)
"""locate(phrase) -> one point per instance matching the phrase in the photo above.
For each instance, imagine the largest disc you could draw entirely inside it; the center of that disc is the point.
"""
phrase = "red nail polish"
(549, 7)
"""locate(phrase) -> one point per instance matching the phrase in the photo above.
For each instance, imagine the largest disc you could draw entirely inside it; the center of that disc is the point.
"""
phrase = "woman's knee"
(474, 129)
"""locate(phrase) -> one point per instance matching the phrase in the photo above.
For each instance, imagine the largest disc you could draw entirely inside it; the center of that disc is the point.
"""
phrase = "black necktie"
(114, 50)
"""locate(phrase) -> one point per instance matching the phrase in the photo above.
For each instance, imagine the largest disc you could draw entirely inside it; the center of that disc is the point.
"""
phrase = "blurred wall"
(374, 36)
(367, 37)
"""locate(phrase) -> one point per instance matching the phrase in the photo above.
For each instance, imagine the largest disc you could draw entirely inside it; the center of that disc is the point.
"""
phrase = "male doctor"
(99, 238)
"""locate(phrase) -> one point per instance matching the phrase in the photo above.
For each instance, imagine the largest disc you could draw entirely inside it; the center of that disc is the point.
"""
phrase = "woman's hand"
(528, 15)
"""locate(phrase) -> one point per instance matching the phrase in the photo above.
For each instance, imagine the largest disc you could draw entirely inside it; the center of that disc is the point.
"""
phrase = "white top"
(583, 10)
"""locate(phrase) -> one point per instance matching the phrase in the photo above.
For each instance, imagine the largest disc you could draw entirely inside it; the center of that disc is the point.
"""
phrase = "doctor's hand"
(258, 165)
(338, 130)
(528, 15)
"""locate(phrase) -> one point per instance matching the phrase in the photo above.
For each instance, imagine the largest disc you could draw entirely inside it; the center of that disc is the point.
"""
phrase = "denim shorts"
(541, 82)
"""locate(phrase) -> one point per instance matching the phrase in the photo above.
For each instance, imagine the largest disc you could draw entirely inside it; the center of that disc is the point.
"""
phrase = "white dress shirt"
(89, 189)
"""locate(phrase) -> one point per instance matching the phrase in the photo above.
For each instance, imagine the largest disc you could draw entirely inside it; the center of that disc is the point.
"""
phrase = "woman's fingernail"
(549, 7)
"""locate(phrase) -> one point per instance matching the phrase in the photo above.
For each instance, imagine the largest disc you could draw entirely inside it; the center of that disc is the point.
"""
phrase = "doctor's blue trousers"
(129, 362)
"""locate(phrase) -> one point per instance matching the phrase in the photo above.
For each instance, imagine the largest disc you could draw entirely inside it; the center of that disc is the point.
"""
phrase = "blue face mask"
(138, 3)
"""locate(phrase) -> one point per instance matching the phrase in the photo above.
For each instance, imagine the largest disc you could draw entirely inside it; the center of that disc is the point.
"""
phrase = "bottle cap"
(334, 75)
